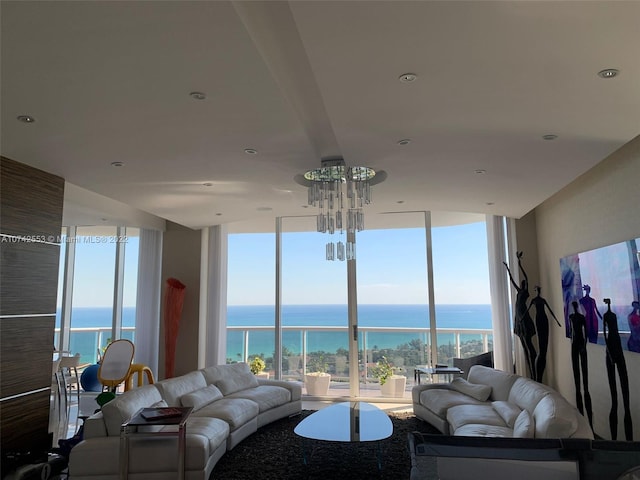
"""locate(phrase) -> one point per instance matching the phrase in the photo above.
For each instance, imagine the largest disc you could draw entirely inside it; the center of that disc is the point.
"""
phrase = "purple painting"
(609, 272)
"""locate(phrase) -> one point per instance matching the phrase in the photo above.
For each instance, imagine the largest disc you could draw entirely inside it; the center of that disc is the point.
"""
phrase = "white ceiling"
(298, 81)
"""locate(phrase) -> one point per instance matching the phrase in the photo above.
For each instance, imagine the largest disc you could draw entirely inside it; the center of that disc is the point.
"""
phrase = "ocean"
(262, 342)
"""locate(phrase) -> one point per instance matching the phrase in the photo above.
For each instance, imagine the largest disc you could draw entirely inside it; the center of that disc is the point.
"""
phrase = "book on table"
(160, 413)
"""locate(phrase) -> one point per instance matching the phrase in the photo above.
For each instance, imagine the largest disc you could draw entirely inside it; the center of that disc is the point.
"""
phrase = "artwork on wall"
(611, 272)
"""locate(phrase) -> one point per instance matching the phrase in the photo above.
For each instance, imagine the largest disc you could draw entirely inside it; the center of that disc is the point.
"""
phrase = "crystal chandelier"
(340, 192)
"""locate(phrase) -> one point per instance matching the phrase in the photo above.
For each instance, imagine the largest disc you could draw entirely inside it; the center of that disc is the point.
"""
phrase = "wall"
(181, 260)
(599, 208)
(31, 219)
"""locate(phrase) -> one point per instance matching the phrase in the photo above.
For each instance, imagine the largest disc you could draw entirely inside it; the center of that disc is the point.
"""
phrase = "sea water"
(262, 342)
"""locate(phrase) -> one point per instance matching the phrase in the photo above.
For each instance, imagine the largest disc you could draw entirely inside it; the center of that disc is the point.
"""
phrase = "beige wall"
(181, 260)
(599, 208)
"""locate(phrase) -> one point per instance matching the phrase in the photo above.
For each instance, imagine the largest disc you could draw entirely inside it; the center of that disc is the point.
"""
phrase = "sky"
(391, 268)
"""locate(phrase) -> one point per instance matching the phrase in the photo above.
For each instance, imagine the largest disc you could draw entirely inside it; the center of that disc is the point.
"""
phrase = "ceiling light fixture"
(480, 171)
(404, 141)
(117, 164)
(198, 95)
(408, 77)
(550, 136)
(26, 118)
(250, 151)
(608, 73)
(340, 193)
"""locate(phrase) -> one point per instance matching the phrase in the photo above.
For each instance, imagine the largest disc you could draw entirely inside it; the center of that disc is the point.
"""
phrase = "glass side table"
(155, 417)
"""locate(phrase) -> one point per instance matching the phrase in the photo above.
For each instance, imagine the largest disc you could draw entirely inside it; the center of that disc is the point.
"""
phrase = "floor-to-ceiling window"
(394, 318)
(91, 260)
(314, 307)
(462, 295)
(393, 311)
(251, 298)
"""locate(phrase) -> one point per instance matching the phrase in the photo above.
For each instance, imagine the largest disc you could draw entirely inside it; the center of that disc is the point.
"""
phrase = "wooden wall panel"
(31, 201)
(29, 279)
(25, 423)
(26, 353)
(31, 207)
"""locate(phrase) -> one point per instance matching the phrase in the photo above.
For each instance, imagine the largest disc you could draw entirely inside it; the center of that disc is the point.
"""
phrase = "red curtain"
(173, 302)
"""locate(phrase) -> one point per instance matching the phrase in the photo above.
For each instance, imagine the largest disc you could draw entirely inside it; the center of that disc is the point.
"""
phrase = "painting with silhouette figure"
(607, 272)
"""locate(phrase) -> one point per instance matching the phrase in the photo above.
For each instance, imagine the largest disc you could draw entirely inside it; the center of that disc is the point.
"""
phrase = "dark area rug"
(276, 453)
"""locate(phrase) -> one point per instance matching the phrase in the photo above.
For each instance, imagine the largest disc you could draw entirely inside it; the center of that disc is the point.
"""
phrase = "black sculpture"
(615, 358)
(579, 360)
(542, 329)
(523, 325)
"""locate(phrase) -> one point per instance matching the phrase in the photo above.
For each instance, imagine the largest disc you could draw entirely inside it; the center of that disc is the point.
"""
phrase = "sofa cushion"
(201, 397)
(479, 430)
(508, 411)
(440, 399)
(524, 427)
(216, 373)
(526, 393)
(469, 414)
(555, 418)
(172, 389)
(479, 392)
(119, 410)
(235, 383)
(499, 381)
(266, 396)
(235, 411)
(157, 453)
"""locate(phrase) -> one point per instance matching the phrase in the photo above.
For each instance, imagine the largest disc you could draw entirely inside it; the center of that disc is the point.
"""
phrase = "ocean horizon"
(369, 315)
(460, 316)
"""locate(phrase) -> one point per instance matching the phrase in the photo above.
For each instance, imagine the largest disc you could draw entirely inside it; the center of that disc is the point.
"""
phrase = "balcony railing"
(304, 347)
(87, 341)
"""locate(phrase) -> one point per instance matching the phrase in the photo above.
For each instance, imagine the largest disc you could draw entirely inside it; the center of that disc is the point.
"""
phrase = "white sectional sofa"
(229, 403)
(493, 403)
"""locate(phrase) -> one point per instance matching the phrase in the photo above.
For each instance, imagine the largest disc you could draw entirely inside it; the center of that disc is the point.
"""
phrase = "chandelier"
(340, 192)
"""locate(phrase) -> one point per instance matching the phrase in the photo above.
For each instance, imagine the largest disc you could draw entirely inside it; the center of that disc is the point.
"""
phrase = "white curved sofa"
(493, 403)
(229, 403)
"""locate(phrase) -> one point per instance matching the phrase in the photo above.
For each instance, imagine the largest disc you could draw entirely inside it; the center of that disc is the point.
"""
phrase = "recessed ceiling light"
(550, 136)
(404, 141)
(208, 184)
(490, 203)
(117, 164)
(608, 73)
(250, 151)
(264, 209)
(400, 201)
(305, 206)
(198, 95)
(26, 118)
(408, 77)
(218, 214)
(480, 171)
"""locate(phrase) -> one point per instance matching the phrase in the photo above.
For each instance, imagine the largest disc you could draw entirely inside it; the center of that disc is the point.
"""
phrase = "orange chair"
(141, 370)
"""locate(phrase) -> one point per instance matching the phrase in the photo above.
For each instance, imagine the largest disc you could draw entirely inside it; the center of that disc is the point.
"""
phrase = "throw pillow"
(236, 382)
(524, 426)
(479, 392)
(159, 404)
(507, 411)
(201, 397)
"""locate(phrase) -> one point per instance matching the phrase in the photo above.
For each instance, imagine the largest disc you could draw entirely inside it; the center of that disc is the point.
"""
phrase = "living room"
(566, 195)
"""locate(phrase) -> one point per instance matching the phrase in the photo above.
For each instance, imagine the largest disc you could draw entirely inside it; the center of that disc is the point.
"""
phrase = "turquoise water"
(448, 316)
